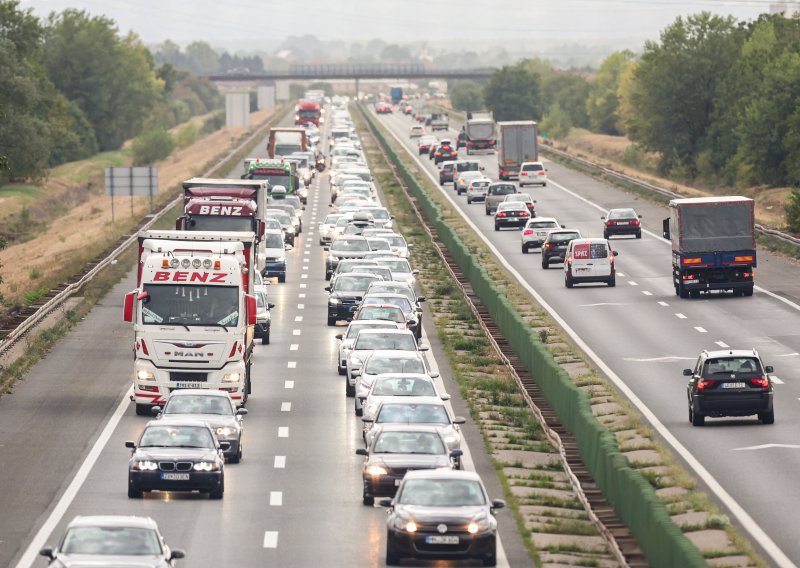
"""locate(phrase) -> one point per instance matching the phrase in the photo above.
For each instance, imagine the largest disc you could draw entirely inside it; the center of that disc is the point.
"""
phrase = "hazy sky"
(224, 22)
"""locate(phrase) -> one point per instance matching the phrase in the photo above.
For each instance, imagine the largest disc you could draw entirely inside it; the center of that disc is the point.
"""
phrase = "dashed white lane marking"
(620, 274)
(280, 462)
(680, 316)
(767, 447)
(292, 364)
(276, 498)
(297, 331)
(776, 380)
(306, 252)
(304, 285)
(294, 347)
(306, 259)
(722, 344)
(305, 268)
(283, 432)
(301, 296)
(286, 407)
(298, 318)
(288, 384)
(304, 276)
(700, 329)
(663, 304)
(301, 306)
(646, 293)
(271, 539)
(789, 355)
(667, 359)
(632, 283)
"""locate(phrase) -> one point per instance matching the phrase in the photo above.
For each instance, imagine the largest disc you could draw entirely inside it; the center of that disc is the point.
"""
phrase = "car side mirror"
(639, 216)
(615, 252)
(177, 554)
(563, 226)
(367, 420)
(155, 410)
(459, 420)
(603, 218)
(287, 247)
(420, 299)
(456, 453)
(688, 372)
(131, 445)
(415, 271)
(768, 369)
(224, 446)
(385, 502)
(665, 228)
(498, 504)
(424, 347)
(326, 248)
(356, 373)
(362, 452)
(338, 336)
(270, 305)
(444, 396)
(241, 412)
(327, 288)
(48, 552)
(433, 375)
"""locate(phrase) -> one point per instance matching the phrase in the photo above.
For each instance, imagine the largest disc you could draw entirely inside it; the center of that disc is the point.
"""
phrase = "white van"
(589, 260)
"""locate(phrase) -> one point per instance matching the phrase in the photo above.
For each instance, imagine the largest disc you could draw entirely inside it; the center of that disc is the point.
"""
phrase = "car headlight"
(145, 465)
(145, 375)
(226, 431)
(332, 258)
(404, 524)
(205, 466)
(451, 438)
(376, 470)
(334, 301)
(473, 527)
(234, 377)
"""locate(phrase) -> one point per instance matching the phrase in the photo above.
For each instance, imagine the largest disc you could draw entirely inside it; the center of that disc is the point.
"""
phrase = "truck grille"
(188, 377)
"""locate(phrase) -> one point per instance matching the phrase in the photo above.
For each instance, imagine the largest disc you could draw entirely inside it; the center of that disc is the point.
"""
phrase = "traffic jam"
(203, 298)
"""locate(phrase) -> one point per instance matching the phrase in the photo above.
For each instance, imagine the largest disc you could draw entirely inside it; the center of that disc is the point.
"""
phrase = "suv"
(497, 192)
(446, 173)
(589, 260)
(554, 248)
(730, 382)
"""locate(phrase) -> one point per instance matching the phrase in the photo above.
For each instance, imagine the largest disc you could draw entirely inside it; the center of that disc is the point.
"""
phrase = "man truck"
(308, 112)
(193, 315)
(713, 245)
(518, 143)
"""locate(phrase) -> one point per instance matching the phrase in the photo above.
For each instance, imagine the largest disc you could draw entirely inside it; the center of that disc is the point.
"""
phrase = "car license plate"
(175, 476)
(622, 222)
(443, 539)
(733, 385)
(191, 385)
(579, 270)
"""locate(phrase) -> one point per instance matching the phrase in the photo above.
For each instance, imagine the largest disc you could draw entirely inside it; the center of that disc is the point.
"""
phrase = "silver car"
(369, 340)
(347, 338)
(327, 228)
(400, 384)
(477, 189)
(401, 269)
(463, 179)
(380, 361)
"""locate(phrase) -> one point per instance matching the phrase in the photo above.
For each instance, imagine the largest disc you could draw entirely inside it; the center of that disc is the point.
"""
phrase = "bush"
(151, 146)
(793, 211)
(186, 136)
(213, 123)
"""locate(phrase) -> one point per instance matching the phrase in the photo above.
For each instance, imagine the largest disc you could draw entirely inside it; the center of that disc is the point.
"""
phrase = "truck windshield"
(275, 177)
(309, 113)
(286, 149)
(179, 304)
(219, 223)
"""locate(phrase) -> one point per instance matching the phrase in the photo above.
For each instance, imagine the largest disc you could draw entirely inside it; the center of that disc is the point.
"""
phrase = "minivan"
(589, 260)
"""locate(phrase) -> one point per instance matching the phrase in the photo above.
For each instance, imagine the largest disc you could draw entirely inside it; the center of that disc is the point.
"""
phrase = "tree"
(603, 100)
(793, 211)
(21, 28)
(111, 79)
(201, 58)
(514, 93)
(676, 84)
(395, 53)
(570, 91)
(467, 95)
(556, 122)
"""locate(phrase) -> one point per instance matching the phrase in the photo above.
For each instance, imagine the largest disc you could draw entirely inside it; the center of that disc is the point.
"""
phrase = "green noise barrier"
(633, 498)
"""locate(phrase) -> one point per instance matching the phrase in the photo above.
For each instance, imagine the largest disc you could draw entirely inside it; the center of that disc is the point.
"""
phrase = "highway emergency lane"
(647, 335)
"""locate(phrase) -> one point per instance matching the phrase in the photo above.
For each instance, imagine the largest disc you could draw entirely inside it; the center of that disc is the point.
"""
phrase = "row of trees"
(716, 99)
(202, 59)
(72, 85)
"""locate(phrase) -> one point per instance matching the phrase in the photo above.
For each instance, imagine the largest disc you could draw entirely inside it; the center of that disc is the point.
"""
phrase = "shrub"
(151, 146)
(186, 136)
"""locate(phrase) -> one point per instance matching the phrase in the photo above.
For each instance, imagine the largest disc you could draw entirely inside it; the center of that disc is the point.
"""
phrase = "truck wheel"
(368, 500)
(694, 293)
(682, 291)
(281, 278)
(767, 417)
(143, 410)
(748, 291)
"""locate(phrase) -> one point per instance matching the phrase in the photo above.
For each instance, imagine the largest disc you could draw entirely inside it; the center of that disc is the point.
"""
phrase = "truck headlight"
(234, 377)
(145, 375)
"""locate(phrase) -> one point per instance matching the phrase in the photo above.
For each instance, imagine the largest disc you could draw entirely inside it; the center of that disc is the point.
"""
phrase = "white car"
(535, 232)
(400, 384)
(401, 269)
(462, 180)
(477, 189)
(379, 362)
(369, 340)
(589, 260)
(532, 173)
(327, 228)
(347, 338)
(416, 131)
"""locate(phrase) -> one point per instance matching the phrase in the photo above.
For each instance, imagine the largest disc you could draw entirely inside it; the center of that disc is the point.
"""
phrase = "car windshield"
(544, 225)
(442, 493)
(402, 303)
(353, 265)
(518, 197)
(332, 218)
(734, 367)
(395, 240)
(356, 326)
(511, 206)
(273, 240)
(502, 189)
(380, 214)
(275, 177)
(111, 541)
(562, 237)
(396, 265)
(378, 365)
(481, 131)
(394, 341)
(402, 386)
(198, 404)
(347, 283)
(622, 214)
(479, 184)
(379, 244)
(350, 245)
(163, 436)
(189, 304)
(532, 168)
(382, 313)
(428, 443)
(281, 216)
(469, 167)
(413, 414)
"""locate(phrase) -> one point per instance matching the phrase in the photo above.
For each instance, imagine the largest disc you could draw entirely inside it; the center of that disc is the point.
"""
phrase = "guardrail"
(53, 303)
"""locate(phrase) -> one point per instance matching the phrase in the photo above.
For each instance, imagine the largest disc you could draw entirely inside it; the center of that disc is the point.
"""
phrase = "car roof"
(442, 474)
(113, 521)
(203, 392)
(404, 376)
(387, 295)
(395, 354)
(562, 231)
(400, 427)
(722, 353)
(593, 240)
(417, 400)
(179, 422)
(388, 330)
(547, 219)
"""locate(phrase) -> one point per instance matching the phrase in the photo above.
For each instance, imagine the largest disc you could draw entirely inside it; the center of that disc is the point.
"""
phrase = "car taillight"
(469, 143)
(704, 384)
(501, 214)
(527, 232)
(548, 245)
(524, 214)
(609, 223)
(541, 173)
(636, 221)
(491, 142)
(438, 153)
(761, 382)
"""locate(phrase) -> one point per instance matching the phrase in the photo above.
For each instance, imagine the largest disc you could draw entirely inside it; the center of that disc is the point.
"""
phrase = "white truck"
(193, 315)
(518, 143)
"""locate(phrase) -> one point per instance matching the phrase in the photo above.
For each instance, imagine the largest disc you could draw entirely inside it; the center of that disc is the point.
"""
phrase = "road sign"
(135, 181)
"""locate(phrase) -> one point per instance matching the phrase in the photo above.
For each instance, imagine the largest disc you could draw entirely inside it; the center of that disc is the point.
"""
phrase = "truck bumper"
(165, 380)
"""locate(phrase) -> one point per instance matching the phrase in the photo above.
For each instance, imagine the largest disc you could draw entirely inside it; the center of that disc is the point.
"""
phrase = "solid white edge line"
(32, 552)
(741, 515)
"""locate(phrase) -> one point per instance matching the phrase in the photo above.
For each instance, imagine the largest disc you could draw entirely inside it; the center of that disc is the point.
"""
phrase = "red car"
(384, 108)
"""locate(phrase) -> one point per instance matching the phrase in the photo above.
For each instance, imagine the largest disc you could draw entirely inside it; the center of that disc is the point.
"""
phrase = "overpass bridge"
(354, 71)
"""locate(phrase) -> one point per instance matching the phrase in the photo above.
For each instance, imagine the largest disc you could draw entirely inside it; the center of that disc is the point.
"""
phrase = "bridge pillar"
(237, 110)
(266, 97)
(357, 88)
(282, 90)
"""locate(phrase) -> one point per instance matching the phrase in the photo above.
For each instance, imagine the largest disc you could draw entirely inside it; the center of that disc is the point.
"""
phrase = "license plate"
(191, 386)
(622, 222)
(733, 385)
(175, 476)
(443, 539)
(579, 270)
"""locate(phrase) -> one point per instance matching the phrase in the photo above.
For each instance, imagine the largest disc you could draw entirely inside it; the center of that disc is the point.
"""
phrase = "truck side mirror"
(179, 224)
(262, 228)
(665, 228)
(251, 309)
(127, 310)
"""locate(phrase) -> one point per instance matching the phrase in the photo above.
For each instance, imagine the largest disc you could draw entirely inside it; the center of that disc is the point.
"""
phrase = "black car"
(730, 382)
(346, 292)
(441, 515)
(397, 449)
(178, 456)
(444, 153)
(446, 173)
(511, 214)
(622, 222)
(554, 248)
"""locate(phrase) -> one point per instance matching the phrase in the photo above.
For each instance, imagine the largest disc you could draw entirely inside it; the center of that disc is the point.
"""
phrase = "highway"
(642, 334)
(294, 500)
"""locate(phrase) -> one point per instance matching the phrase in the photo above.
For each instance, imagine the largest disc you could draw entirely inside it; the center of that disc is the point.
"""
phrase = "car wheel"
(358, 411)
(496, 227)
(327, 275)
(524, 249)
(368, 500)
(265, 339)
(748, 291)
(612, 281)
(134, 493)
(331, 321)
(349, 391)
(639, 235)
(486, 211)
(605, 235)
(567, 281)
(282, 278)
(544, 184)
(545, 263)
(342, 370)
(767, 417)
(217, 493)
(392, 558)
(698, 419)
(469, 200)
(143, 410)
(490, 560)
(234, 459)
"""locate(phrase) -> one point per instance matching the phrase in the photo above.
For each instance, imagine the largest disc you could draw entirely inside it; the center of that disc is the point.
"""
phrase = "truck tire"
(682, 291)
(143, 410)
(331, 321)
(748, 291)
(282, 278)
